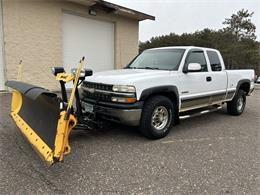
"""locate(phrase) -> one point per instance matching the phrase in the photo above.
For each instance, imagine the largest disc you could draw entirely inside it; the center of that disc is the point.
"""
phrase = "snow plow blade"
(36, 111)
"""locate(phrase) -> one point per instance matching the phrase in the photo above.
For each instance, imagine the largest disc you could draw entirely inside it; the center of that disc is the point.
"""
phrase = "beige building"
(47, 33)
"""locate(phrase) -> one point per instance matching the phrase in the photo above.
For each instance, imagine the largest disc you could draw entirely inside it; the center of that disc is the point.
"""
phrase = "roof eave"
(115, 9)
(124, 11)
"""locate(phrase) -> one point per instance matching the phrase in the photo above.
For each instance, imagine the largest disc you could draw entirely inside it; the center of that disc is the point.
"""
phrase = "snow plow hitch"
(45, 119)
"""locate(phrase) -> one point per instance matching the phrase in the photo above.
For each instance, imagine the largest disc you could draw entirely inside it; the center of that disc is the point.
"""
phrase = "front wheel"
(238, 103)
(157, 117)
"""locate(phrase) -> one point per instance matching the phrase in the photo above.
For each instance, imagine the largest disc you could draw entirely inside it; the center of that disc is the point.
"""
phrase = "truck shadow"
(113, 130)
(133, 133)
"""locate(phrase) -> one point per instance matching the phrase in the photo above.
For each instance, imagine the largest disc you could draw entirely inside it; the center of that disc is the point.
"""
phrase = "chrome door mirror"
(194, 67)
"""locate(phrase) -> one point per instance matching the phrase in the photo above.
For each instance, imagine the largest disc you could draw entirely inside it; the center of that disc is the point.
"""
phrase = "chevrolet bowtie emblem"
(91, 90)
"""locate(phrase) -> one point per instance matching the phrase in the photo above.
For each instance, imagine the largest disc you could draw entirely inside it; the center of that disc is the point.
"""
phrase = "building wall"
(2, 76)
(33, 33)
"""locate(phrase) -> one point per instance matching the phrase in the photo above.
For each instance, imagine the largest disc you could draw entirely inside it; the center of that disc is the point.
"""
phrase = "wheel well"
(245, 87)
(168, 91)
(174, 98)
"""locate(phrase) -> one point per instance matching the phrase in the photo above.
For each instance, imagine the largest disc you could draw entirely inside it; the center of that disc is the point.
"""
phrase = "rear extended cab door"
(219, 79)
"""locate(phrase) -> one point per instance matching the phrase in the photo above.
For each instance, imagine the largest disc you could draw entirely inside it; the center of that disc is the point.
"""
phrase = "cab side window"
(214, 61)
(197, 57)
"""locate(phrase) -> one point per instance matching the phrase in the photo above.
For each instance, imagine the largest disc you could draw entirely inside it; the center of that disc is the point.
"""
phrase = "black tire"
(234, 107)
(151, 106)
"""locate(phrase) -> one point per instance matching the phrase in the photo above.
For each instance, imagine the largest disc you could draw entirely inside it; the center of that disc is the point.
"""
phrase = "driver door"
(195, 87)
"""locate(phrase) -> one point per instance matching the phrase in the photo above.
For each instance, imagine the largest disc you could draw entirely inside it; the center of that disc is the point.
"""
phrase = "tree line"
(236, 41)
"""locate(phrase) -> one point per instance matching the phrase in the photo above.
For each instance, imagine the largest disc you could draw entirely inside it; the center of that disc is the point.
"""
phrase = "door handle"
(209, 79)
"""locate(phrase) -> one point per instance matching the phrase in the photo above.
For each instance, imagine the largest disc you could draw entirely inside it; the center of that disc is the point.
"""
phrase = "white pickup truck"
(162, 85)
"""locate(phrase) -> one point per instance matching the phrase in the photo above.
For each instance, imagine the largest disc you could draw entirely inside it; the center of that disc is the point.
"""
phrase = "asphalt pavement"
(210, 154)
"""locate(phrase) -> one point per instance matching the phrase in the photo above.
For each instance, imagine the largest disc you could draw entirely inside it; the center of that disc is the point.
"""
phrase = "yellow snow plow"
(46, 119)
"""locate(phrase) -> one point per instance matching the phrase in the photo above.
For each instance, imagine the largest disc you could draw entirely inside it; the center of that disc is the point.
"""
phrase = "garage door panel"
(91, 38)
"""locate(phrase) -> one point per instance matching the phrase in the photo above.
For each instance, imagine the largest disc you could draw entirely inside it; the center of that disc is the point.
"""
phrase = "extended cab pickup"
(162, 85)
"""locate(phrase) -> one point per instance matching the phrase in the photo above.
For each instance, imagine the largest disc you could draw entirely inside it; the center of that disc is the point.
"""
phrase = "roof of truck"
(182, 47)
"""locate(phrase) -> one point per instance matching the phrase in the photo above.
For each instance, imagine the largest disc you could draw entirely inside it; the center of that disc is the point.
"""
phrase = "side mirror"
(194, 67)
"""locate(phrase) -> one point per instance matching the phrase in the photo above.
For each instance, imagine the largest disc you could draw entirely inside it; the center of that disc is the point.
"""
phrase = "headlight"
(124, 88)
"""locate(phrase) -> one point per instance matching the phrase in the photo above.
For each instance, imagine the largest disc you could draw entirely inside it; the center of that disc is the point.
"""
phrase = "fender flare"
(169, 89)
(242, 82)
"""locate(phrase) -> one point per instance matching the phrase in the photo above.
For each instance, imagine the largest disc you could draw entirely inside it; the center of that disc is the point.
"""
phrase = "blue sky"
(181, 16)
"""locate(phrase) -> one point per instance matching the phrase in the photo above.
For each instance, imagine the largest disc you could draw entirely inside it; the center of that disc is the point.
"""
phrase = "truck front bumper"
(128, 114)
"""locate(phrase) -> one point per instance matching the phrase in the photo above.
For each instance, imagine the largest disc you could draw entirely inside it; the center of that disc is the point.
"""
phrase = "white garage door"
(93, 39)
(1, 54)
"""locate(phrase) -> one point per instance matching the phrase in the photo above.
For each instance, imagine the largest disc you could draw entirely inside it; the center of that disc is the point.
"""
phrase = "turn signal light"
(123, 99)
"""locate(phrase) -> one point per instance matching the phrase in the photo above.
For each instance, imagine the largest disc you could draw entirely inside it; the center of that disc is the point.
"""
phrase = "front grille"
(96, 95)
(99, 86)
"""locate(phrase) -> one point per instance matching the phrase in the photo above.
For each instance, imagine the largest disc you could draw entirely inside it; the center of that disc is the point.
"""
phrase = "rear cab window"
(214, 61)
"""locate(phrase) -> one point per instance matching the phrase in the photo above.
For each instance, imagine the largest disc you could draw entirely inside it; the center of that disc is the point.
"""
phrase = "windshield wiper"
(129, 67)
(150, 68)
(147, 67)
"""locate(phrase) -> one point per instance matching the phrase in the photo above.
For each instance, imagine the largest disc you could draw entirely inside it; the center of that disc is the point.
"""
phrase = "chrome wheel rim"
(160, 118)
(240, 103)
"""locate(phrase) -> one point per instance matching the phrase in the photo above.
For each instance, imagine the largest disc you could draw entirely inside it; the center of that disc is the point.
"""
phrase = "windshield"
(161, 59)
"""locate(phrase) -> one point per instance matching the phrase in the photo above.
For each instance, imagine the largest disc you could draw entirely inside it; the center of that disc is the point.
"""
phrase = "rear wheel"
(237, 105)
(157, 117)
